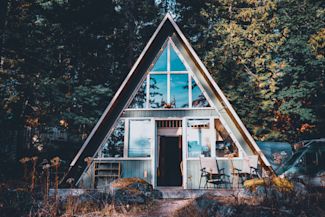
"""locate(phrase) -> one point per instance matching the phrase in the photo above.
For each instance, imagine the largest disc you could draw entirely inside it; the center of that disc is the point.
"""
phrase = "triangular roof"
(104, 127)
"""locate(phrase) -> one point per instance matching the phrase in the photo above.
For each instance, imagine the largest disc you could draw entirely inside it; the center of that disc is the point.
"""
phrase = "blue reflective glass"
(198, 138)
(175, 62)
(198, 98)
(179, 90)
(139, 138)
(158, 90)
(161, 63)
(139, 100)
(114, 146)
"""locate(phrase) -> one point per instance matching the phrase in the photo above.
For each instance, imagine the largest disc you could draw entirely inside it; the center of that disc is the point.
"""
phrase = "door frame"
(154, 149)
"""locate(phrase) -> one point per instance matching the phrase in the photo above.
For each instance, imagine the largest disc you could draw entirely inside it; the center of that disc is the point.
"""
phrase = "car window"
(310, 162)
(322, 160)
(310, 159)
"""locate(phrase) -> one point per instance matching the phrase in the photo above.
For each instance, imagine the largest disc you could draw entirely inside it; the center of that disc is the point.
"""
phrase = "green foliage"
(243, 60)
(301, 98)
(61, 61)
(268, 57)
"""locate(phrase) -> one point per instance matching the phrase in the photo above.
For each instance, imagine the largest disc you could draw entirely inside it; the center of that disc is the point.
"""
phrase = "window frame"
(126, 141)
(191, 77)
(209, 135)
(129, 137)
(241, 151)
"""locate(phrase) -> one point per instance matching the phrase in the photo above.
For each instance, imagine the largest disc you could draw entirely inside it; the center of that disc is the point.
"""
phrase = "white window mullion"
(168, 88)
(168, 55)
(168, 72)
(184, 154)
(153, 152)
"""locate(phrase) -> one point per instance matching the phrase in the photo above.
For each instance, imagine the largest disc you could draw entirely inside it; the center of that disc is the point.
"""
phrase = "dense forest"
(62, 61)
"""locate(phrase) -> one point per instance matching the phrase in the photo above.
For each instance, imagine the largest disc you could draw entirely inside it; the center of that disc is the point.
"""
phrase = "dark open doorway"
(170, 158)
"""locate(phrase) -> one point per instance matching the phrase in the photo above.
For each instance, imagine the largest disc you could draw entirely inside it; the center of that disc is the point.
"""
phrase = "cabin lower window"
(139, 138)
(198, 138)
(225, 146)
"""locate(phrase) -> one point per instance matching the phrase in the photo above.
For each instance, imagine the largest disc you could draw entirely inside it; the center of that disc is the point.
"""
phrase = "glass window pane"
(198, 98)
(158, 90)
(175, 62)
(114, 146)
(179, 90)
(225, 146)
(161, 63)
(139, 100)
(139, 138)
(198, 138)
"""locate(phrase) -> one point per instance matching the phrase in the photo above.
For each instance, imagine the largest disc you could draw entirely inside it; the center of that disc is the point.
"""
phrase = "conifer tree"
(245, 38)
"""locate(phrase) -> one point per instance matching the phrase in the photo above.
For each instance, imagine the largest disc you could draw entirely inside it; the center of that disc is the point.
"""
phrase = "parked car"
(307, 164)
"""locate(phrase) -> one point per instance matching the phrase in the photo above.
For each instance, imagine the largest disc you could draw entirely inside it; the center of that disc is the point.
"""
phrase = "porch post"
(213, 136)
(184, 154)
(153, 153)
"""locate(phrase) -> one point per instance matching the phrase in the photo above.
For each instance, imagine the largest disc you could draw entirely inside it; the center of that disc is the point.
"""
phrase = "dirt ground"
(160, 208)
(164, 208)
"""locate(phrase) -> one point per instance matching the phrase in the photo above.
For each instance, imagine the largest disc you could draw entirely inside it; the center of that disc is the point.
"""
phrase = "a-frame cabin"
(167, 114)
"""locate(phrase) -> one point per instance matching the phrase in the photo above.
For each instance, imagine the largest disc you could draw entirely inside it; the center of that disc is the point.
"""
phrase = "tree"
(244, 38)
(64, 60)
(267, 56)
(300, 101)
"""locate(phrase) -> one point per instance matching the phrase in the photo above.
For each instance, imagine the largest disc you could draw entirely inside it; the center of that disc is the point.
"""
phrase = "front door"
(170, 158)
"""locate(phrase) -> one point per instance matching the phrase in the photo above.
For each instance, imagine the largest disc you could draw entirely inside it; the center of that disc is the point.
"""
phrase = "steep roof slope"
(104, 127)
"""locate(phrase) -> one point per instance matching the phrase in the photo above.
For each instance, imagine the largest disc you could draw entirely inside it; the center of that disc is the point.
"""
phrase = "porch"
(103, 171)
(165, 152)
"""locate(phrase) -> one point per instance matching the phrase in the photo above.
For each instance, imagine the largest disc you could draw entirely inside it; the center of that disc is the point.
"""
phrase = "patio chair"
(248, 169)
(212, 174)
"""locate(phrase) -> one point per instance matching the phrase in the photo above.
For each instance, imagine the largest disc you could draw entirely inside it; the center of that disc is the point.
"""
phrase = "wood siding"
(129, 168)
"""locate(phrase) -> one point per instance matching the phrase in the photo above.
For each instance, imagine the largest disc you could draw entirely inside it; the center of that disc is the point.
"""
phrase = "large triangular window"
(161, 62)
(176, 63)
(198, 98)
(169, 83)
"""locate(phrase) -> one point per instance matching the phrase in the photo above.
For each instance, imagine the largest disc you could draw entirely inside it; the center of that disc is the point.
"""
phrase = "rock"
(129, 196)
(131, 191)
(146, 188)
(207, 205)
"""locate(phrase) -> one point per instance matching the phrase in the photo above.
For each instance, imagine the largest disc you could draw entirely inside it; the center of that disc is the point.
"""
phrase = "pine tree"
(300, 100)
(64, 60)
(244, 38)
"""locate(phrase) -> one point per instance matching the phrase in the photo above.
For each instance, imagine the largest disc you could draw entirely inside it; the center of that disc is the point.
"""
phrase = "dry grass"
(279, 205)
(125, 182)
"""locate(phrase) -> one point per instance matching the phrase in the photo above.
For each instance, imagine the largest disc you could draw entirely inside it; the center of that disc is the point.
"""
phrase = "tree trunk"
(4, 11)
